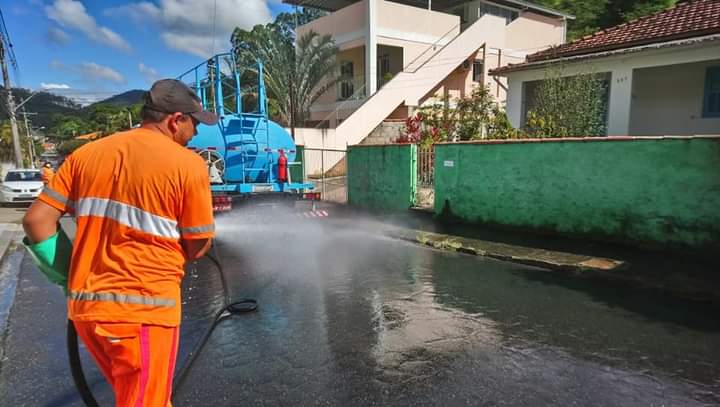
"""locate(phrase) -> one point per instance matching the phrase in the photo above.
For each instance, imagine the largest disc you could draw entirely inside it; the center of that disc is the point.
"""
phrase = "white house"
(663, 71)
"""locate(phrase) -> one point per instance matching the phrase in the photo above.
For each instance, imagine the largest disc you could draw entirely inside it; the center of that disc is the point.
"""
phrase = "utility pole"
(11, 106)
(31, 142)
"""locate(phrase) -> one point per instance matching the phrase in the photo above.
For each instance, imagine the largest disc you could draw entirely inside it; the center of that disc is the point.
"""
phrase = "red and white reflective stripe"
(314, 214)
(233, 148)
(211, 148)
(192, 148)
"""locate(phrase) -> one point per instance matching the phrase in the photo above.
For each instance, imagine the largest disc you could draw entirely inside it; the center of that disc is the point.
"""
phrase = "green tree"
(6, 144)
(296, 75)
(568, 106)
(297, 70)
(594, 15)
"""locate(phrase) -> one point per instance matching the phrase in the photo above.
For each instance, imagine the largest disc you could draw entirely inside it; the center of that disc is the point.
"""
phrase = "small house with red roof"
(662, 71)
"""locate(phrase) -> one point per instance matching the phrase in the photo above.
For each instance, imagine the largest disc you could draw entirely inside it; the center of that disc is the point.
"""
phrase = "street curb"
(599, 268)
(517, 254)
(10, 236)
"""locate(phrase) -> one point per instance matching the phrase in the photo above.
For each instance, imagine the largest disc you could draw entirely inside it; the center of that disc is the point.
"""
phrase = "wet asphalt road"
(352, 319)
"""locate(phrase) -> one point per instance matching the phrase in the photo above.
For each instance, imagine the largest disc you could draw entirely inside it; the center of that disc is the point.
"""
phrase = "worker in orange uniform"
(47, 173)
(143, 209)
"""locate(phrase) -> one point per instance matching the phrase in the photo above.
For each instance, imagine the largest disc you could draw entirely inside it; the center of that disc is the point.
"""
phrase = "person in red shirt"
(143, 209)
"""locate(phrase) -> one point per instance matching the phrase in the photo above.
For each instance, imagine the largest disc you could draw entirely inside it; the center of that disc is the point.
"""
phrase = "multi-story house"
(396, 55)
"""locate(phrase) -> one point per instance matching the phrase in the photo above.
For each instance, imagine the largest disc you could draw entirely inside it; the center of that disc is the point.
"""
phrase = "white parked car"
(22, 185)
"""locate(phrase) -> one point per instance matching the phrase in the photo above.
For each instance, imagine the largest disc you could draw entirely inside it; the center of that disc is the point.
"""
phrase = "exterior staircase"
(412, 85)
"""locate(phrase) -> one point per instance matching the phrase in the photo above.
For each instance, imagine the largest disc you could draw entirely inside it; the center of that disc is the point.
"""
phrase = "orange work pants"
(137, 360)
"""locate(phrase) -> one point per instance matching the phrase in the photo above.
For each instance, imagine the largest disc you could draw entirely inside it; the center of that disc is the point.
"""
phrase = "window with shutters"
(711, 102)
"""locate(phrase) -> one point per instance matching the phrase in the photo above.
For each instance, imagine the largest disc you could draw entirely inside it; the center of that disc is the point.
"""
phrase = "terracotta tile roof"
(685, 20)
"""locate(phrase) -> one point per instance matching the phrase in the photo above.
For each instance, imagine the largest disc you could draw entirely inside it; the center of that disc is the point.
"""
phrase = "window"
(346, 89)
(478, 71)
(346, 69)
(23, 176)
(488, 8)
(347, 74)
(711, 102)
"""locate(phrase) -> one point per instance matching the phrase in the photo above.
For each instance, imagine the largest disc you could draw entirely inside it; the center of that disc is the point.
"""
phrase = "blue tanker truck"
(247, 154)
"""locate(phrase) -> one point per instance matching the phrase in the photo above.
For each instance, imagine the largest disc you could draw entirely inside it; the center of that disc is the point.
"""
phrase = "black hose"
(76, 367)
(238, 307)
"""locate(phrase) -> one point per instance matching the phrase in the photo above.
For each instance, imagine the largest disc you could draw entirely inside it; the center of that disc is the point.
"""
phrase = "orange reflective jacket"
(134, 196)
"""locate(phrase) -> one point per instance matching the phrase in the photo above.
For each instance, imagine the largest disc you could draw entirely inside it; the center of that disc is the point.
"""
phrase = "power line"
(8, 43)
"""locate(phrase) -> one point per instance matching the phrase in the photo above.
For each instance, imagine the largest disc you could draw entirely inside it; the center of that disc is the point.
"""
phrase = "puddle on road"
(348, 318)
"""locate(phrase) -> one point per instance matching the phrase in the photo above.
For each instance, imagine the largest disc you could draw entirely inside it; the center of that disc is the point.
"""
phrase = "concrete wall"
(648, 191)
(414, 24)
(346, 24)
(669, 100)
(532, 32)
(382, 177)
(387, 132)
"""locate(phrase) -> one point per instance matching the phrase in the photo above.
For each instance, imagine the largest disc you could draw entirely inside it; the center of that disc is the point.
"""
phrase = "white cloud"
(148, 73)
(54, 86)
(57, 36)
(91, 72)
(100, 72)
(191, 26)
(72, 13)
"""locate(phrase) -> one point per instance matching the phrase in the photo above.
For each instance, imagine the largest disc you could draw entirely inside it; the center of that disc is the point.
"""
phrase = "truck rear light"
(311, 196)
(221, 203)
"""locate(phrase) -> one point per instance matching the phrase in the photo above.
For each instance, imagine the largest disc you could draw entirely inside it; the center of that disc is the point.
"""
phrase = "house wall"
(414, 24)
(658, 191)
(344, 25)
(355, 55)
(621, 69)
(669, 100)
(532, 32)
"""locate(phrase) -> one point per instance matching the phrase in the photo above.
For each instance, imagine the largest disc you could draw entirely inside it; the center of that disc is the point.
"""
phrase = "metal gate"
(426, 177)
(327, 169)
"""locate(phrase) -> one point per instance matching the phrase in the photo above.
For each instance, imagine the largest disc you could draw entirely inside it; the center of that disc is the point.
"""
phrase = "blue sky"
(92, 49)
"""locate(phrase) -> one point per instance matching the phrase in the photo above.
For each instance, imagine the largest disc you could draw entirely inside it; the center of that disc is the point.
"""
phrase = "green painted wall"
(297, 171)
(653, 191)
(382, 177)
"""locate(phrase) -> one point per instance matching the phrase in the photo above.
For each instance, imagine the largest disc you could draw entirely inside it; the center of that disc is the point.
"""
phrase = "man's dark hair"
(151, 116)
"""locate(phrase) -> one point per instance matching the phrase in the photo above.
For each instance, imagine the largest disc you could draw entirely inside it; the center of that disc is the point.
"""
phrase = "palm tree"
(296, 74)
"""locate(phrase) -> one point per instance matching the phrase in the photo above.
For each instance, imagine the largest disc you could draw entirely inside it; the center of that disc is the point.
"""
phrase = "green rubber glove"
(52, 257)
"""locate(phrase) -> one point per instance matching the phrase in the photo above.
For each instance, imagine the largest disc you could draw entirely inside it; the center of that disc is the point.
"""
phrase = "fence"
(327, 169)
(426, 177)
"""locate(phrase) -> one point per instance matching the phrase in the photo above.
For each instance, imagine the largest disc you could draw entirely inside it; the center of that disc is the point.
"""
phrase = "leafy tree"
(568, 106)
(474, 117)
(593, 15)
(6, 144)
(68, 146)
(297, 70)
(296, 75)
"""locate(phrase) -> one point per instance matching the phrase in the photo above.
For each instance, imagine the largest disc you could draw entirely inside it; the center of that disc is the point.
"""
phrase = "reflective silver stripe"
(58, 197)
(123, 298)
(198, 229)
(128, 215)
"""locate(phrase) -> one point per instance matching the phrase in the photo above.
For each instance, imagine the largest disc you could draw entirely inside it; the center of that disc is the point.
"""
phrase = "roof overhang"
(526, 66)
(334, 5)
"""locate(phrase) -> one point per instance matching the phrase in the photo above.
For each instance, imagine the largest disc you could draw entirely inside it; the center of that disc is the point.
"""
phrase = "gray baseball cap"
(171, 95)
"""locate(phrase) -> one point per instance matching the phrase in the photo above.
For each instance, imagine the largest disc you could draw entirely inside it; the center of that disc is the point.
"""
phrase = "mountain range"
(44, 105)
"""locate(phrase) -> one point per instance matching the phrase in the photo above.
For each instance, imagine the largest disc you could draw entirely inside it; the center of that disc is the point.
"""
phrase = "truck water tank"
(243, 148)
